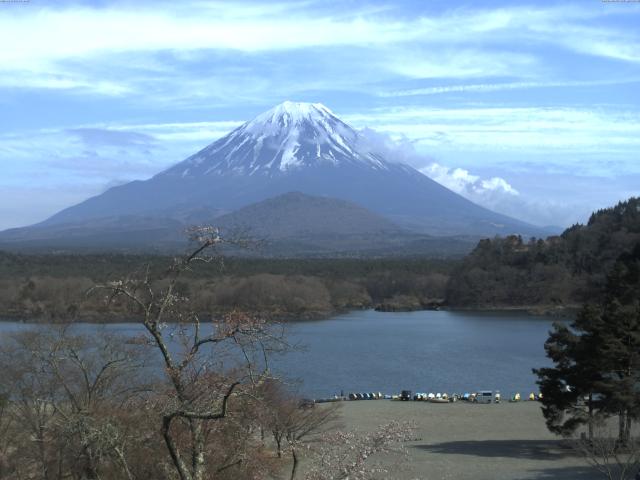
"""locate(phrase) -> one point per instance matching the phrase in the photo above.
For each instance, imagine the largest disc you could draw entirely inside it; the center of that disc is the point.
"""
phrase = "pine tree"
(569, 390)
(619, 349)
(597, 358)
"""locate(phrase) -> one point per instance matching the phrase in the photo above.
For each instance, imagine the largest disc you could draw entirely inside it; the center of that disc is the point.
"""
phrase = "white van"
(484, 396)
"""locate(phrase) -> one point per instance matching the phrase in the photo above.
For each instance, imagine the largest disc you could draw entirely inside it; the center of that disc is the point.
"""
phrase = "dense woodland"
(557, 272)
(53, 287)
(564, 270)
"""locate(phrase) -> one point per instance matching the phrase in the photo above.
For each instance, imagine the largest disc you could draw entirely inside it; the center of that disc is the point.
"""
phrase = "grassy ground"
(471, 441)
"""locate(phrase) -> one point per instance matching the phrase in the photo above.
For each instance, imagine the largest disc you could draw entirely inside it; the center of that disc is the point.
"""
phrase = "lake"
(427, 351)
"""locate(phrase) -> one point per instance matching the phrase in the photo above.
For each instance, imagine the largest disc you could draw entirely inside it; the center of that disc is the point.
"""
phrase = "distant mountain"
(292, 147)
(123, 232)
(293, 225)
(296, 224)
(296, 215)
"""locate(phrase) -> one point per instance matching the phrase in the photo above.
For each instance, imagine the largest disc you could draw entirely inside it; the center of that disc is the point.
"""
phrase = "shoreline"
(542, 310)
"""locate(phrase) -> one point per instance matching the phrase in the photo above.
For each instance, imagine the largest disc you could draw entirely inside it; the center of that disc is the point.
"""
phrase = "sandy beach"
(471, 441)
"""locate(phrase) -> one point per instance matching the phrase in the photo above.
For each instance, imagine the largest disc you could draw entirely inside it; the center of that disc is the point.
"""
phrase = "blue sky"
(531, 109)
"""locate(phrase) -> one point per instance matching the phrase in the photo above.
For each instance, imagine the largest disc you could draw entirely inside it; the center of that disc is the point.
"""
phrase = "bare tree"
(207, 366)
(63, 390)
(32, 392)
(608, 455)
(294, 423)
(6, 425)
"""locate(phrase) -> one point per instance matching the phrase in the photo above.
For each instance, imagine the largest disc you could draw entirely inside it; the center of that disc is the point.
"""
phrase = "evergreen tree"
(597, 358)
(619, 349)
(569, 390)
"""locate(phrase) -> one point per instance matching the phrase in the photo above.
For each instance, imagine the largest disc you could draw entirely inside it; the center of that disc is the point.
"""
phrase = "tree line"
(51, 288)
(563, 270)
(559, 271)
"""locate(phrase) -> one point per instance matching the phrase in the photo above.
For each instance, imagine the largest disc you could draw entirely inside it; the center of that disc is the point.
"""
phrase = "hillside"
(295, 215)
(560, 271)
(296, 224)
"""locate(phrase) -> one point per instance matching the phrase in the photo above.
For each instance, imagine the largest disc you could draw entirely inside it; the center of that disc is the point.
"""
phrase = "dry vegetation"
(53, 288)
(187, 400)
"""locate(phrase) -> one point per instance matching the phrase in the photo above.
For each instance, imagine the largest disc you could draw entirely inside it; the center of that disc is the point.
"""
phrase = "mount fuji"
(294, 147)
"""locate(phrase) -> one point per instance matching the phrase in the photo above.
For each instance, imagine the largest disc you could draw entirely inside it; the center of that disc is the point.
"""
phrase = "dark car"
(306, 403)
(405, 395)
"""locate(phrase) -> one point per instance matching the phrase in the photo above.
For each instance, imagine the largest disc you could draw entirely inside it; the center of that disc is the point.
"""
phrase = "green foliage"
(598, 357)
(560, 270)
(575, 376)
(620, 339)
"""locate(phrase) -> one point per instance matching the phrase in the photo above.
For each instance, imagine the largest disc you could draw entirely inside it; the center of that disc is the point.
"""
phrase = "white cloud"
(617, 44)
(497, 184)
(499, 195)
(542, 198)
(201, 132)
(49, 80)
(55, 48)
(463, 182)
(73, 32)
(459, 62)
(496, 87)
(559, 130)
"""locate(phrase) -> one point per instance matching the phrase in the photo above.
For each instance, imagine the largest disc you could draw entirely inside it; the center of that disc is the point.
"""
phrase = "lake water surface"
(427, 351)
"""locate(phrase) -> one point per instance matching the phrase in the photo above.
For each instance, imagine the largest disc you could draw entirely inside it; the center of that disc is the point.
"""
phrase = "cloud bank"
(461, 181)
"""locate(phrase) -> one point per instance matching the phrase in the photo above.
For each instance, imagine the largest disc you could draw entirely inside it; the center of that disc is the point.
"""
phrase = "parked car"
(484, 396)
(405, 395)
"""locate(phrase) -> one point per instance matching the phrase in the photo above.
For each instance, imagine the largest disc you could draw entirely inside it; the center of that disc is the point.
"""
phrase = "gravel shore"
(470, 441)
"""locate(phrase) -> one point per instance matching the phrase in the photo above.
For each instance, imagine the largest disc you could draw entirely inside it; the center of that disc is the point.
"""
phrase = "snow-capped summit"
(294, 147)
(289, 112)
(290, 136)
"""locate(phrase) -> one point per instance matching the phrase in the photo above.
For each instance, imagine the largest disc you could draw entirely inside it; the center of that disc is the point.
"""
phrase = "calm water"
(425, 351)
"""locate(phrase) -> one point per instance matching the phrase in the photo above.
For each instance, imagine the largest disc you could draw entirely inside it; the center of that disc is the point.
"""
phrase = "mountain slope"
(292, 147)
(296, 224)
(295, 215)
(136, 232)
(288, 137)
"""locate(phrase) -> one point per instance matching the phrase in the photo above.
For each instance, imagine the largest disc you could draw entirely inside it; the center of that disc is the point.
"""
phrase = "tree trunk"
(198, 449)
(43, 453)
(178, 462)
(123, 461)
(627, 428)
(294, 467)
(590, 425)
(621, 426)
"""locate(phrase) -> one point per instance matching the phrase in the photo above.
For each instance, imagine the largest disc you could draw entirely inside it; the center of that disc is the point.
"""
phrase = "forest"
(559, 271)
(552, 274)
(53, 287)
